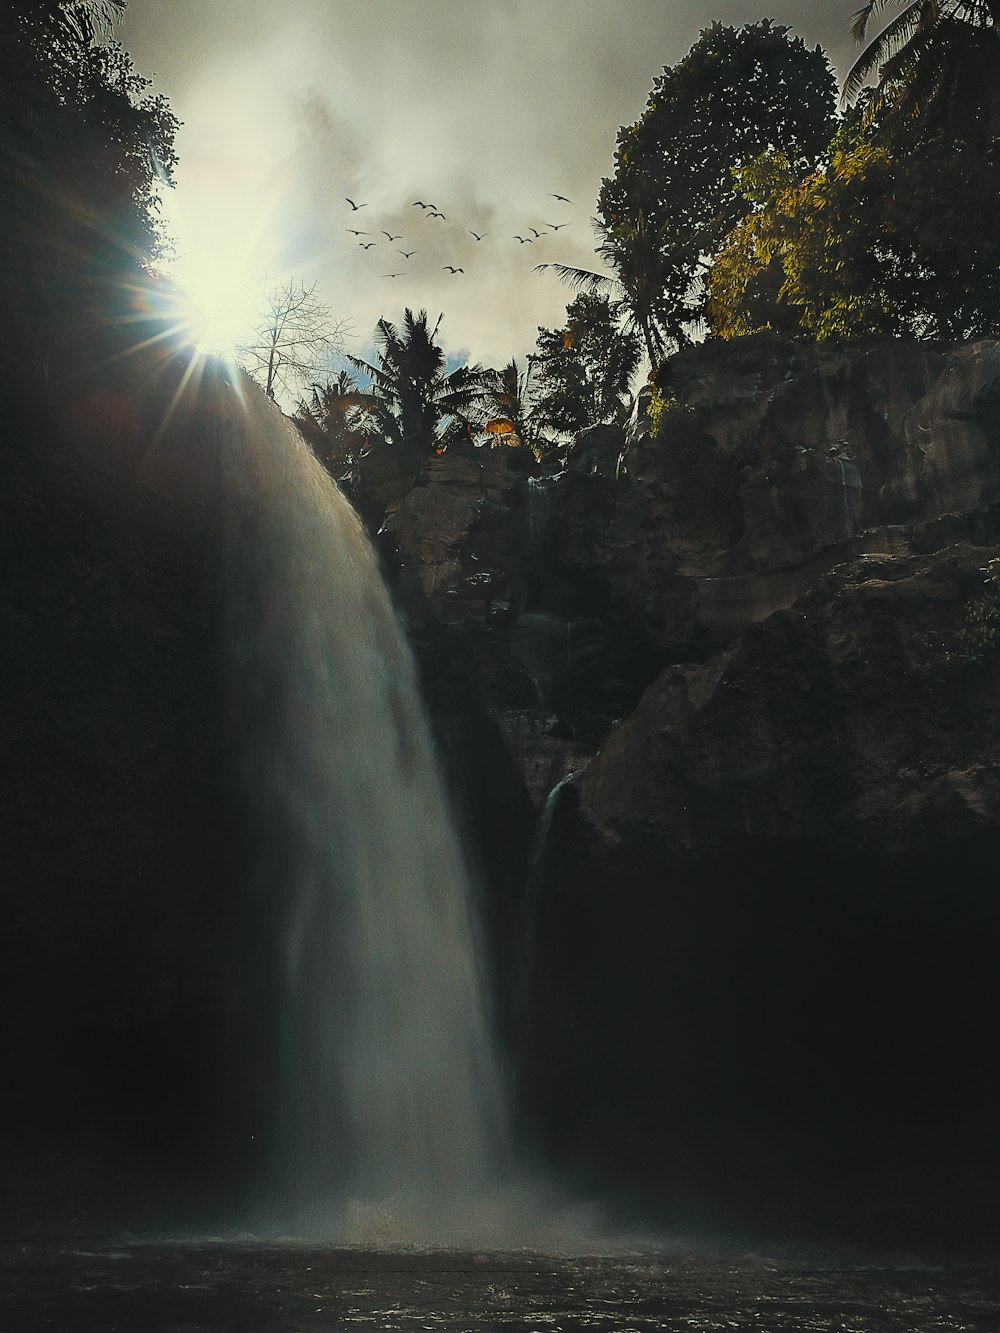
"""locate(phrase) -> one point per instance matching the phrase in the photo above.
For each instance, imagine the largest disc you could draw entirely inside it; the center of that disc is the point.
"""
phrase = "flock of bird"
(429, 211)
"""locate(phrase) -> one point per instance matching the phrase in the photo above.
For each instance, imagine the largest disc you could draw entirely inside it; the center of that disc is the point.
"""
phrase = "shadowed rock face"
(762, 931)
(752, 971)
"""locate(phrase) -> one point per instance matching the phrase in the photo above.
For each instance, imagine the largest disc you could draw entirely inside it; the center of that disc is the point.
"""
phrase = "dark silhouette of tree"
(334, 422)
(293, 338)
(84, 149)
(414, 399)
(511, 398)
(585, 368)
(736, 94)
(937, 63)
(641, 270)
(882, 244)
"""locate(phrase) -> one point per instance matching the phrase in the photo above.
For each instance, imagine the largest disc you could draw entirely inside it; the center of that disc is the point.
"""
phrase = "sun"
(215, 302)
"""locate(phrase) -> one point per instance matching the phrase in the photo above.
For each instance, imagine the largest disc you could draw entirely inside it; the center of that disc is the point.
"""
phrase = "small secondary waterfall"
(390, 1104)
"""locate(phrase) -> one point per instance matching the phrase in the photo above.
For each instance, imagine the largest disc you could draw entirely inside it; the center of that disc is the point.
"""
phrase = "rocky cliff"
(760, 927)
(719, 710)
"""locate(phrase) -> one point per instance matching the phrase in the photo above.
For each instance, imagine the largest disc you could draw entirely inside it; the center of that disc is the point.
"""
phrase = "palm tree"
(640, 271)
(333, 421)
(414, 399)
(509, 399)
(936, 62)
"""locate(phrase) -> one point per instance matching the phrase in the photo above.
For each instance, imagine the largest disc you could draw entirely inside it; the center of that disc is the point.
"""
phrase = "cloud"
(485, 108)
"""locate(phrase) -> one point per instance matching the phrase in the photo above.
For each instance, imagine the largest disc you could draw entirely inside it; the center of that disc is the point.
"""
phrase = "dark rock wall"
(725, 763)
(760, 927)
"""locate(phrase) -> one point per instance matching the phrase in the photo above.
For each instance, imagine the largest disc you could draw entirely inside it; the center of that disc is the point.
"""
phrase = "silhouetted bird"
(419, 203)
(556, 226)
(406, 253)
(435, 215)
(366, 245)
(537, 233)
(393, 275)
(562, 197)
(357, 233)
(525, 240)
(354, 205)
(393, 238)
(476, 234)
(452, 270)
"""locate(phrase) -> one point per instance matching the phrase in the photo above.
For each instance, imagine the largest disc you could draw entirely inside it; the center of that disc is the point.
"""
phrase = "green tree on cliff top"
(736, 94)
(84, 148)
(413, 397)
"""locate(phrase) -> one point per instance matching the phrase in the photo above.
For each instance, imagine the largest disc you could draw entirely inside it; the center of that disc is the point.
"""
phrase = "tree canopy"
(413, 398)
(84, 148)
(879, 245)
(898, 234)
(737, 94)
(585, 368)
(936, 63)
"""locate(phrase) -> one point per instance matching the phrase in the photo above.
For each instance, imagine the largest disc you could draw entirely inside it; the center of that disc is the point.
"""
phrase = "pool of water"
(200, 1287)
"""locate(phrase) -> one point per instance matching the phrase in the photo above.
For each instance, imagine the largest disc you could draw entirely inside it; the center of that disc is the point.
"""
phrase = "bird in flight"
(406, 253)
(537, 233)
(393, 238)
(366, 245)
(452, 270)
(556, 226)
(393, 275)
(562, 198)
(476, 234)
(354, 205)
(525, 240)
(419, 203)
(435, 215)
(354, 232)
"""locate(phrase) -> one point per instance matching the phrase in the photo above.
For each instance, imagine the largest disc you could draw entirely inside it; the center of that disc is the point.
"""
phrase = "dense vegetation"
(84, 149)
(739, 201)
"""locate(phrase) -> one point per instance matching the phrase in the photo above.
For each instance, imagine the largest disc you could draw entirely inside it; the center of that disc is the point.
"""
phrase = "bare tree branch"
(294, 339)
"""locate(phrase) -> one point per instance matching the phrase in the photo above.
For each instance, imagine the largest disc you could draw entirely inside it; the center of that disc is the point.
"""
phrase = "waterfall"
(389, 1109)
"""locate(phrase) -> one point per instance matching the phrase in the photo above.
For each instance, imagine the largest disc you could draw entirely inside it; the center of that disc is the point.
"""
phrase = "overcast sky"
(486, 108)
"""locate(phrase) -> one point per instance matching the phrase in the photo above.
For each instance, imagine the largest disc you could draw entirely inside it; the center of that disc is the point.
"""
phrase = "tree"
(641, 271)
(413, 397)
(84, 150)
(293, 338)
(334, 422)
(585, 368)
(736, 94)
(881, 244)
(936, 62)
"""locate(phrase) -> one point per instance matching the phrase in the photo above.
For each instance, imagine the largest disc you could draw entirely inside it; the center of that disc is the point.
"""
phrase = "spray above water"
(390, 1112)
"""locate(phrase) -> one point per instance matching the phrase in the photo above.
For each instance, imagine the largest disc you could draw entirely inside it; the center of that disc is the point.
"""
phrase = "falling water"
(390, 1104)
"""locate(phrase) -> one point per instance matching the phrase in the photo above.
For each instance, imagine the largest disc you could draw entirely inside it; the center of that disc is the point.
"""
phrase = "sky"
(486, 108)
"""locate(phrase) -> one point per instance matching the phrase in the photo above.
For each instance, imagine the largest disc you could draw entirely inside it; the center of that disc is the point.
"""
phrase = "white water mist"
(390, 1109)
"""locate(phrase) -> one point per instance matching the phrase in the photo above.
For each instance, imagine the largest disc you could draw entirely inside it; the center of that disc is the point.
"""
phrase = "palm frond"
(578, 277)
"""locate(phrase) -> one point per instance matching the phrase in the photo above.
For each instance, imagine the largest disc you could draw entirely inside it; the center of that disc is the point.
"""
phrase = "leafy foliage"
(664, 413)
(84, 148)
(936, 63)
(333, 423)
(737, 94)
(640, 274)
(413, 398)
(585, 367)
(879, 244)
(510, 398)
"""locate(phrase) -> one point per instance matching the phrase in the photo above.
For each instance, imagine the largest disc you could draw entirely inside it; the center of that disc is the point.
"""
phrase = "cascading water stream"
(390, 1095)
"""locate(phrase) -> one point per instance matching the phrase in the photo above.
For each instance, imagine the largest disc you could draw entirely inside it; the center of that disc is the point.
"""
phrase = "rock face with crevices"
(762, 924)
(720, 714)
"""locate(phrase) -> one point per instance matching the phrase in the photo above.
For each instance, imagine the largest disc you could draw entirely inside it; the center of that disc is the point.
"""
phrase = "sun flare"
(215, 302)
